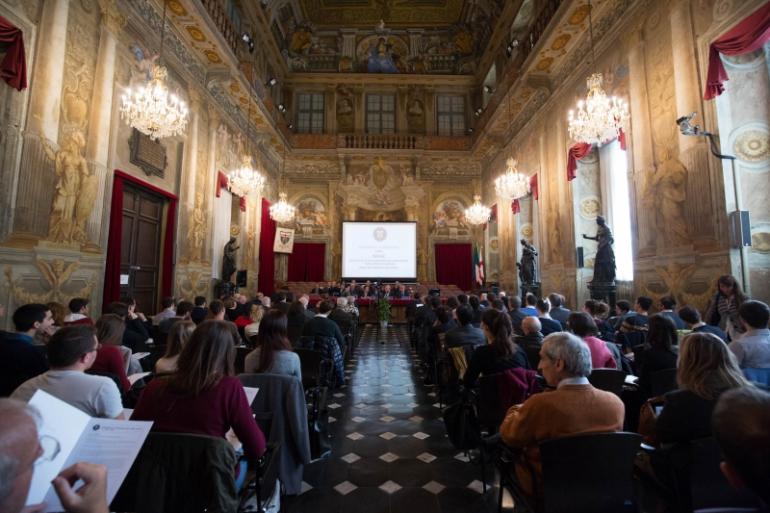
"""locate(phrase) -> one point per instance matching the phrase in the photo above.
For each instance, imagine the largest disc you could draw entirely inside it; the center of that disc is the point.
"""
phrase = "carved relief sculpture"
(57, 274)
(197, 231)
(665, 193)
(75, 191)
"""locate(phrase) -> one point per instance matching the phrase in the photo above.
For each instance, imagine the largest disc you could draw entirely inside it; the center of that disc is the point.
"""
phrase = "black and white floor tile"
(390, 452)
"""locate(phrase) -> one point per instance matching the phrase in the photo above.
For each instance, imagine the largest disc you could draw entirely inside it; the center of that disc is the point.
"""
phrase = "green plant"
(383, 310)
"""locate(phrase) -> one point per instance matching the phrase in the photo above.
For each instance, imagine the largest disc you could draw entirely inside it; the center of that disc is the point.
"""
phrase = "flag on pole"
(478, 265)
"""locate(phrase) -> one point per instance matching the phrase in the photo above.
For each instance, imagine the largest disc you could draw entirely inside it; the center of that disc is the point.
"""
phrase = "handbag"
(462, 424)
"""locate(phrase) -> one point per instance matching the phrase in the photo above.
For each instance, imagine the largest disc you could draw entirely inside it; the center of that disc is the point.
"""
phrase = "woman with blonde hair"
(250, 321)
(180, 334)
(706, 368)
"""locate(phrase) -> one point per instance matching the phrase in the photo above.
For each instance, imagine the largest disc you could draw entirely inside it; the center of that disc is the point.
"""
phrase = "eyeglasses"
(50, 449)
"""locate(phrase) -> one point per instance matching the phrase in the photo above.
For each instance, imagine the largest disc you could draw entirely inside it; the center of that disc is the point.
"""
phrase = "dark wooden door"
(140, 254)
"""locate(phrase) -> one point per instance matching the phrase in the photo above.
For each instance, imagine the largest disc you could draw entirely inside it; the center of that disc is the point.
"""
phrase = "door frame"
(114, 241)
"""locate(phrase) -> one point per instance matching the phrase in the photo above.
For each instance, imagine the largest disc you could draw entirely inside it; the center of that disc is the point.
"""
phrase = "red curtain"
(306, 262)
(115, 239)
(266, 275)
(515, 206)
(13, 69)
(533, 186)
(745, 37)
(576, 152)
(222, 182)
(454, 265)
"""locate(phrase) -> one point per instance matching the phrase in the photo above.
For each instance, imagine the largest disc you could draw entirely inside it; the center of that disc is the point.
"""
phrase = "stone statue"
(604, 264)
(228, 259)
(197, 229)
(75, 191)
(528, 265)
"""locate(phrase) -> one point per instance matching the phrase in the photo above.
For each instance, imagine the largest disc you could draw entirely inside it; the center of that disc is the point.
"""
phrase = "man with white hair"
(19, 451)
(574, 407)
(347, 304)
(340, 316)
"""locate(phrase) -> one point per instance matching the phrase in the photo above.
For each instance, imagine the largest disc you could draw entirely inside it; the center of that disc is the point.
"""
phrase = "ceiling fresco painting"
(384, 36)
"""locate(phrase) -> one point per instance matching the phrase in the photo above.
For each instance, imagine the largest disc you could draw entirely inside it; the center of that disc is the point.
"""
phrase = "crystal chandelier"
(151, 109)
(477, 213)
(245, 179)
(513, 184)
(283, 211)
(599, 119)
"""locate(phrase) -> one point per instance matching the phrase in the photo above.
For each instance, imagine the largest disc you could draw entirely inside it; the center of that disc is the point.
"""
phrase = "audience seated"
(574, 406)
(20, 360)
(321, 326)
(297, 317)
(741, 425)
(217, 311)
(752, 349)
(558, 311)
(622, 311)
(348, 305)
(177, 338)
(533, 336)
(692, 321)
(657, 353)
(638, 321)
(547, 324)
(475, 304)
(232, 309)
(280, 303)
(305, 300)
(203, 397)
(500, 353)
(582, 325)
(705, 370)
(340, 316)
(169, 310)
(71, 352)
(723, 308)
(136, 335)
(529, 304)
(517, 313)
(667, 309)
(183, 311)
(58, 311)
(273, 354)
(109, 358)
(465, 334)
(598, 311)
(200, 310)
(78, 307)
(250, 323)
(20, 451)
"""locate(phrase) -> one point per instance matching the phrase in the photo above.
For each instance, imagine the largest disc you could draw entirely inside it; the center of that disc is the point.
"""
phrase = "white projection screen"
(377, 251)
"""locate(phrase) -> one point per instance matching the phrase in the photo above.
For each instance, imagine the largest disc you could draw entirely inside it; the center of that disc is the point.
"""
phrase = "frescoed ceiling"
(397, 13)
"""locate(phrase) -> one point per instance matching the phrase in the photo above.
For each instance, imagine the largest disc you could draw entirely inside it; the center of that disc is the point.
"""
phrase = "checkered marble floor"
(390, 452)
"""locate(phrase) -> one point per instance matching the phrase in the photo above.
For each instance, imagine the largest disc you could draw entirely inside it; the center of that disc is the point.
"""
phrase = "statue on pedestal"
(528, 265)
(228, 260)
(604, 264)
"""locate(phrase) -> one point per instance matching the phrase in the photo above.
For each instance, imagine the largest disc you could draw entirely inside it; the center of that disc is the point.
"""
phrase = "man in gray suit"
(465, 334)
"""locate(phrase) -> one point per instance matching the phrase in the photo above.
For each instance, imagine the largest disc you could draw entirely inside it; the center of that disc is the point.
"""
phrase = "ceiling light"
(281, 107)
(488, 89)
(477, 213)
(271, 82)
(513, 184)
(245, 179)
(283, 211)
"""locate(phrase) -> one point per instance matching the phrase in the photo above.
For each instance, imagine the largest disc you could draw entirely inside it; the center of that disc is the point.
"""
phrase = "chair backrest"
(488, 403)
(610, 380)
(699, 482)
(312, 370)
(589, 473)
(533, 355)
(180, 472)
(663, 381)
(761, 376)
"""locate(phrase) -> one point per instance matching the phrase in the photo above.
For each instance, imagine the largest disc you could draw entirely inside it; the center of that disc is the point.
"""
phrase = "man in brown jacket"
(574, 407)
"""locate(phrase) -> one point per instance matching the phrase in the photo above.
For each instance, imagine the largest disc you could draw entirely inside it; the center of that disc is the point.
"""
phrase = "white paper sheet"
(133, 378)
(251, 393)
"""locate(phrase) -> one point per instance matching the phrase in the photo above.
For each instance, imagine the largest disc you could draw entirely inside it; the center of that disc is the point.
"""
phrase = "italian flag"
(478, 265)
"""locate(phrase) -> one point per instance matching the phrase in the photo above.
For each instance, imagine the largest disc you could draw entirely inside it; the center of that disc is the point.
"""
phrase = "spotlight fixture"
(470, 130)
(246, 38)
(264, 3)
(488, 89)
(282, 107)
(291, 126)
(271, 82)
(511, 47)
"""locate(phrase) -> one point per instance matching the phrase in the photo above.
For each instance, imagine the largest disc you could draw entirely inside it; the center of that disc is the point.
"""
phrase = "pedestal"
(526, 288)
(224, 289)
(604, 291)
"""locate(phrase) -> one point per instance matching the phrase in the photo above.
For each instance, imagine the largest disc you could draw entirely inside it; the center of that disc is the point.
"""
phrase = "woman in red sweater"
(109, 357)
(203, 397)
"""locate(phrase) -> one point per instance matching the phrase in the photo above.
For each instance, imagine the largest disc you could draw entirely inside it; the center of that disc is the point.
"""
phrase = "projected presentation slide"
(379, 251)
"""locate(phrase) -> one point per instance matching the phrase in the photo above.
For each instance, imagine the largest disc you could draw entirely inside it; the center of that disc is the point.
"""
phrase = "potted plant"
(383, 312)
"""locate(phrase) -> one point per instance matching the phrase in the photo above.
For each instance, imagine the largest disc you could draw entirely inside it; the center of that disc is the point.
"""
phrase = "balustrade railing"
(380, 141)
(217, 12)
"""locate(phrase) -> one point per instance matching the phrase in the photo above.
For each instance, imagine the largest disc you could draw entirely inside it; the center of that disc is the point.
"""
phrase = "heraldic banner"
(284, 240)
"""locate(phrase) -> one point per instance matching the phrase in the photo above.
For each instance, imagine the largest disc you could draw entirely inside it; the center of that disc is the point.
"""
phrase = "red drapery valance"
(515, 206)
(454, 265)
(13, 69)
(533, 186)
(575, 153)
(306, 262)
(115, 239)
(222, 182)
(747, 36)
(266, 275)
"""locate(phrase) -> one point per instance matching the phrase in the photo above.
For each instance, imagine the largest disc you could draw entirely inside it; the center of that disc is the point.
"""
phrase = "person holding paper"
(203, 397)
(72, 351)
(20, 450)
